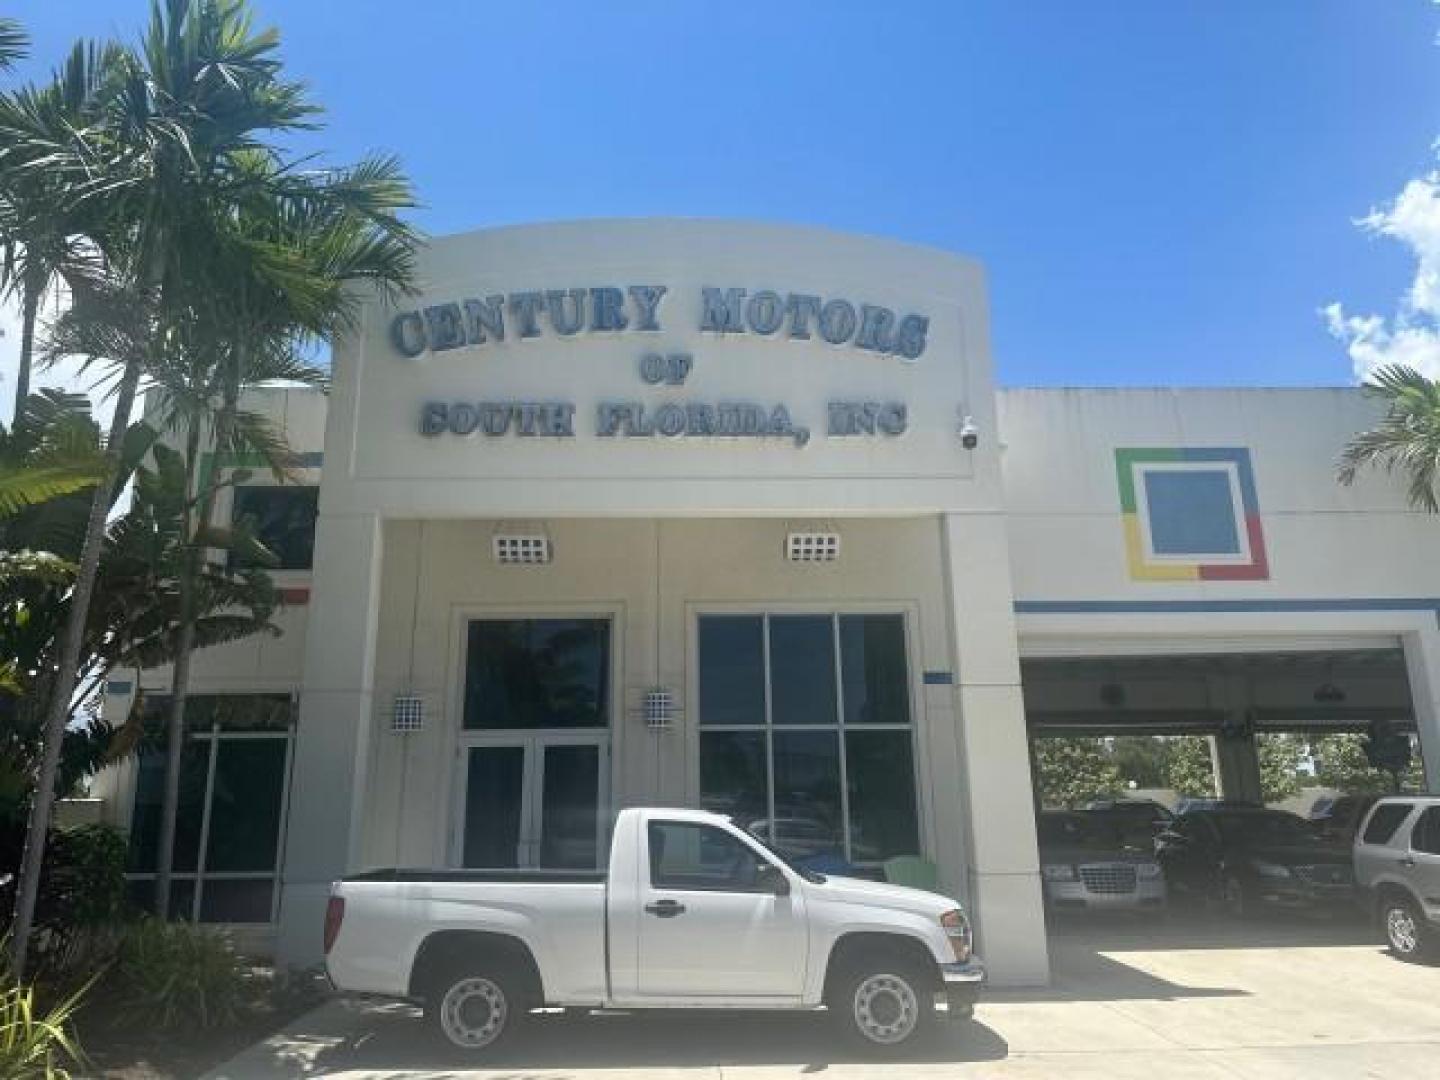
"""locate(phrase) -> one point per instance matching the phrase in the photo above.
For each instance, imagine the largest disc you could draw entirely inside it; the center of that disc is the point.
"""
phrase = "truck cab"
(692, 912)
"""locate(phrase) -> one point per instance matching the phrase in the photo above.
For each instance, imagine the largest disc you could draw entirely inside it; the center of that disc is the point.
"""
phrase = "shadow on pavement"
(397, 1040)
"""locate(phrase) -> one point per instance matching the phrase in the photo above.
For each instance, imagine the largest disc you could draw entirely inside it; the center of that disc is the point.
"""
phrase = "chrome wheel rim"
(886, 1009)
(1401, 929)
(473, 1012)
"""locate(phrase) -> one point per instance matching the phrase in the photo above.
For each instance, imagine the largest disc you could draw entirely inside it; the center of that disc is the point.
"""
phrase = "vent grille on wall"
(408, 714)
(521, 550)
(812, 546)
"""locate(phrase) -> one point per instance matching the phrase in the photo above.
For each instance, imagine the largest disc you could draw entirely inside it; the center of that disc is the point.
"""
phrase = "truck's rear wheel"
(473, 1010)
(883, 1004)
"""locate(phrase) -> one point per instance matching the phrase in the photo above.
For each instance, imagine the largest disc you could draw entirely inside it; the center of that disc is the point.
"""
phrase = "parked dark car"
(1133, 820)
(1086, 865)
(1339, 818)
(1251, 859)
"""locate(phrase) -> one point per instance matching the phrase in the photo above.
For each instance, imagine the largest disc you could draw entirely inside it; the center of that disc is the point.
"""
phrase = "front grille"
(1326, 874)
(1109, 878)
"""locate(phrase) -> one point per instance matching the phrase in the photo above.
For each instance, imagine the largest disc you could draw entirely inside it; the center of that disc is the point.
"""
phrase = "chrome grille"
(1326, 874)
(1108, 878)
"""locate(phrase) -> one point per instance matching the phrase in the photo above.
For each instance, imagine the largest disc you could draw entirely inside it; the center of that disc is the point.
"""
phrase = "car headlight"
(1147, 870)
(1058, 872)
(1271, 870)
(957, 929)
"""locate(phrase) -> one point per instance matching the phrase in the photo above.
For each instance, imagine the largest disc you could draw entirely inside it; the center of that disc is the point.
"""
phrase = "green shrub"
(81, 899)
(180, 975)
(36, 1047)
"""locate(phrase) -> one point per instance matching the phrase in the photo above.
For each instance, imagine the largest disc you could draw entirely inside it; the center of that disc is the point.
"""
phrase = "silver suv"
(1397, 864)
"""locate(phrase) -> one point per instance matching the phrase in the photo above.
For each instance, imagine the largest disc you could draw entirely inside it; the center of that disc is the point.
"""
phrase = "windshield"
(812, 876)
(1263, 828)
(1073, 830)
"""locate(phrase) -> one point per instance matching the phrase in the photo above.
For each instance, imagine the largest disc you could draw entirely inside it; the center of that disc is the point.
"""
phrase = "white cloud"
(1412, 335)
(65, 375)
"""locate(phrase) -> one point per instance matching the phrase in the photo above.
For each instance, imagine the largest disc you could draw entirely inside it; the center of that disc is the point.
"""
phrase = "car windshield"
(1263, 828)
(812, 876)
(1073, 830)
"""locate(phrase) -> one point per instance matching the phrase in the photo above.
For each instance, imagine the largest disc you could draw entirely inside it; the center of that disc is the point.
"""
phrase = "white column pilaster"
(1002, 865)
(331, 760)
(1422, 664)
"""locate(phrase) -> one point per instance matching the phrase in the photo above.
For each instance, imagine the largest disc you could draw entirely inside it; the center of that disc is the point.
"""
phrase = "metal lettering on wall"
(521, 316)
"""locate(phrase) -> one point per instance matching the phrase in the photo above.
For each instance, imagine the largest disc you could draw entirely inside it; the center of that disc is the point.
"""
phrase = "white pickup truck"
(693, 913)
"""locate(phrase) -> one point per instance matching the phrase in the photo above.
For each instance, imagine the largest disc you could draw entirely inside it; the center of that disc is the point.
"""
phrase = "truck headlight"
(957, 929)
(1058, 872)
(1271, 870)
(1148, 870)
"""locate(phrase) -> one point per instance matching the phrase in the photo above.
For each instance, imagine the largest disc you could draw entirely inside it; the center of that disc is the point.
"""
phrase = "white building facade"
(728, 515)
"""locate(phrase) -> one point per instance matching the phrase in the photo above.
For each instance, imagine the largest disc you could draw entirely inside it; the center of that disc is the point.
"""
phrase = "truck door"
(710, 925)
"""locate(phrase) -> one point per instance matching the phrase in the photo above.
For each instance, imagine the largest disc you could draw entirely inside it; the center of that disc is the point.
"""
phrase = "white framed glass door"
(532, 801)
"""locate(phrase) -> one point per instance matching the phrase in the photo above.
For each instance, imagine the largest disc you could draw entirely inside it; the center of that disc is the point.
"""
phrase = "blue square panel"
(1192, 512)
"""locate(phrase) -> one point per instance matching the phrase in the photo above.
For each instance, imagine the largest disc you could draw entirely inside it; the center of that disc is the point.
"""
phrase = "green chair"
(913, 871)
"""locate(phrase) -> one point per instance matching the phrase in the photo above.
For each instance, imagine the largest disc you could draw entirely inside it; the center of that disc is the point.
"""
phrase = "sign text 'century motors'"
(609, 309)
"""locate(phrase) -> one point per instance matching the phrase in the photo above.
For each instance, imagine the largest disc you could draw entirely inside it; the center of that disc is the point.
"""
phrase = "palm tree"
(1407, 438)
(42, 241)
(14, 43)
(156, 176)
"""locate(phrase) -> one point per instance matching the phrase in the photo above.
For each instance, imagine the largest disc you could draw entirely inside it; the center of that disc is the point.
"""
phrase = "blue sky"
(1163, 193)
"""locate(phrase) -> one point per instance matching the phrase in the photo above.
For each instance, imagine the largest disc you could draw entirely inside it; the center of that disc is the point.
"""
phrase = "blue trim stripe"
(118, 686)
(939, 678)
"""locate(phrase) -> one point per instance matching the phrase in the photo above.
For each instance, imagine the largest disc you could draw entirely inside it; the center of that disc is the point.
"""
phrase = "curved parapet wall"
(668, 367)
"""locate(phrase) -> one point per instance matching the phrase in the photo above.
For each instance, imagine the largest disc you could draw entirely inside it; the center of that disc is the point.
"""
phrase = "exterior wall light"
(407, 714)
(812, 547)
(510, 550)
(658, 708)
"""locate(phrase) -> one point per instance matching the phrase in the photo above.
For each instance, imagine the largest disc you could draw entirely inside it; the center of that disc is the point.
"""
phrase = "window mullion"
(769, 731)
(202, 855)
(840, 735)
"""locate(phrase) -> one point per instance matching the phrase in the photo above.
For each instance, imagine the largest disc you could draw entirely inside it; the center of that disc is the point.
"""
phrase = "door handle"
(665, 909)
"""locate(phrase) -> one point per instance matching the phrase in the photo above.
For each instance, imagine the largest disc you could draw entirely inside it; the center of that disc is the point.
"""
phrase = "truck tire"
(1405, 928)
(883, 1005)
(474, 1007)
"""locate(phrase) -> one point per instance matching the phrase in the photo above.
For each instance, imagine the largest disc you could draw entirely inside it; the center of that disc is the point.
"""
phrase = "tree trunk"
(29, 315)
(179, 686)
(69, 663)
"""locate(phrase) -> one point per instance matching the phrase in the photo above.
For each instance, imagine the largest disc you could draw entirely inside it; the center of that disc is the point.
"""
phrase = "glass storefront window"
(537, 673)
(281, 518)
(233, 776)
(823, 768)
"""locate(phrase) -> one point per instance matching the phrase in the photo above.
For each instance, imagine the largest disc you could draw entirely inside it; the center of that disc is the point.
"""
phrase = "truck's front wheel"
(473, 1010)
(884, 1005)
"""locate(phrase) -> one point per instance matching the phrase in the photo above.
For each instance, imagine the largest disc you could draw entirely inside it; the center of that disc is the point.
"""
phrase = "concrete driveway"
(1183, 999)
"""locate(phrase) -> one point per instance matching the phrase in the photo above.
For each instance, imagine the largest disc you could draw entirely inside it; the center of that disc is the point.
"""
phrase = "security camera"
(969, 433)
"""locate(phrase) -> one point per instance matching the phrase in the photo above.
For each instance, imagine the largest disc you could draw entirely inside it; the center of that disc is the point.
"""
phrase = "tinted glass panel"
(732, 670)
(150, 793)
(880, 776)
(537, 673)
(141, 892)
(802, 669)
(1425, 835)
(732, 778)
(494, 786)
(245, 806)
(569, 817)
(808, 822)
(872, 665)
(686, 856)
(1383, 823)
(237, 901)
(283, 519)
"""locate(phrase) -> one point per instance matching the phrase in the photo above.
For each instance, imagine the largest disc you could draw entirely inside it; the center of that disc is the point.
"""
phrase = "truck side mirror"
(769, 878)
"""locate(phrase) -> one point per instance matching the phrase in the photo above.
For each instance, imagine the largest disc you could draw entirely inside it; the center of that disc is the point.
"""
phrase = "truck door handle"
(665, 909)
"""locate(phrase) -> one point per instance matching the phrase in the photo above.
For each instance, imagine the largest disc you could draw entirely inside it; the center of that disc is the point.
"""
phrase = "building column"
(330, 763)
(1422, 665)
(1001, 861)
(1236, 760)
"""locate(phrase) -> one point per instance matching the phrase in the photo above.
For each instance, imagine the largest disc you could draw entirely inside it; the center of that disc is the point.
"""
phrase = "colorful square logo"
(1190, 514)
